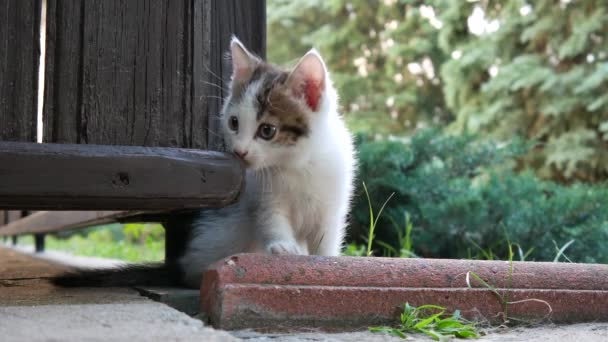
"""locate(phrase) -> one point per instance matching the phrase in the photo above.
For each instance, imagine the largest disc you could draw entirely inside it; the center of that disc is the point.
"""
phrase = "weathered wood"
(246, 20)
(13, 215)
(89, 177)
(39, 242)
(42, 222)
(142, 72)
(126, 71)
(19, 59)
(56, 221)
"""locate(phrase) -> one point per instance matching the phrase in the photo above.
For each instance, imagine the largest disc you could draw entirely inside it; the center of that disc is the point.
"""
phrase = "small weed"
(354, 249)
(504, 298)
(404, 238)
(523, 256)
(560, 251)
(373, 221)
(482, 253)
(432, 321)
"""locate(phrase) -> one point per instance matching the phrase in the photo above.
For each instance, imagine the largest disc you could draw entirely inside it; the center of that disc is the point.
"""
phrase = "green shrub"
(464, 200)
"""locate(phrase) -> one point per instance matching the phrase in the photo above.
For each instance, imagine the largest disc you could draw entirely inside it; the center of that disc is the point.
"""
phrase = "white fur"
(296, 198)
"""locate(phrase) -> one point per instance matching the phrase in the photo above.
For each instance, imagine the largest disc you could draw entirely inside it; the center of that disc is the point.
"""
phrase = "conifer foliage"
(499, 68)
(542, 74)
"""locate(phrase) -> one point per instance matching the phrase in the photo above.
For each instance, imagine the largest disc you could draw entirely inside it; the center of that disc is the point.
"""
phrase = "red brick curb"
(274, 292)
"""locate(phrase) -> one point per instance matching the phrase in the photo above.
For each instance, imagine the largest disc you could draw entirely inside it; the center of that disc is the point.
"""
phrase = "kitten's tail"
(132, 275)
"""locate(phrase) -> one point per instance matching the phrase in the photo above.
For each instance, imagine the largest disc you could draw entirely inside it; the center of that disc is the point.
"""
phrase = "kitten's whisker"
(211, 96)
(266, 180)
(269, 181)
(217, 86)
(214, 133)
(260, 177)
(213, 74)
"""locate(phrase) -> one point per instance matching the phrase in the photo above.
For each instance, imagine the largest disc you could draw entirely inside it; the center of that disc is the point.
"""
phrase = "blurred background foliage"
(488, 120)
(134, 242)
(535, 69)
(516, 94)
(129, 242)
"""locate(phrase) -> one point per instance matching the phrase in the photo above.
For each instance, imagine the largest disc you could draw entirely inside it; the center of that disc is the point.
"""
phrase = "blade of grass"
(483, 282)
(370, 237)
(392, 251)
(560, 251)
(409, 226)
(488, 255)
(373, 220)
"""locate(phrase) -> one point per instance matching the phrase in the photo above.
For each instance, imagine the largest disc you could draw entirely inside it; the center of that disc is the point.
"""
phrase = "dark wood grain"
(89, 177)
(19, 57)
(142, 72)
(117, 74)
(246, 20)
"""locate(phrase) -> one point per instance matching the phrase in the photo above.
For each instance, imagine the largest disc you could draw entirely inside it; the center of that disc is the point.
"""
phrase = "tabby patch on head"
(276, 104)
(270, 107)
(280, 108)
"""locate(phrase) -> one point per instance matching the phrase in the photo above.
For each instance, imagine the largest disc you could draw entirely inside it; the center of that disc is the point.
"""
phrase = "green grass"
(373, 222)
(433, 321)
(404, 239)
(404, 236)
(129, 242)
(354, 249)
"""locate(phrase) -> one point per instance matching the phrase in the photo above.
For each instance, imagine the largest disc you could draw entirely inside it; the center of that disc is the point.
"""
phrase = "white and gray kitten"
(300, 161)
(300, 165)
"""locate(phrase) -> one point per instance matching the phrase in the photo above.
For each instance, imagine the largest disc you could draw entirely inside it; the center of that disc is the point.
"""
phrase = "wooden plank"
(148, 73)
(89, 177)
(13, 215)
(55, 221)
(246, 20)
(19, 58)
(117, 74)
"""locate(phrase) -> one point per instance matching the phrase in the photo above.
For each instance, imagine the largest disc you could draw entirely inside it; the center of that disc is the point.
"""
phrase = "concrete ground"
(31, 309)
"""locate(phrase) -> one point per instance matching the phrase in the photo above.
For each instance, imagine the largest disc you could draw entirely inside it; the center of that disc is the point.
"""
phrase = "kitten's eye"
(233, 123)
(266, 131)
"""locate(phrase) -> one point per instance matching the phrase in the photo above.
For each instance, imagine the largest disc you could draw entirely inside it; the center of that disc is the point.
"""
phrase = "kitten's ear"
(243, 62)
(307, 79)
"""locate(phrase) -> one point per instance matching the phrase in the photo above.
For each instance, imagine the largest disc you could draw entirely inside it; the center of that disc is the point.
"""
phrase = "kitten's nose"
(240, 154)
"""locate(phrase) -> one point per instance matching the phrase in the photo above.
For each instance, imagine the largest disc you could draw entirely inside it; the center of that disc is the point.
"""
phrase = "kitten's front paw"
(283, 247)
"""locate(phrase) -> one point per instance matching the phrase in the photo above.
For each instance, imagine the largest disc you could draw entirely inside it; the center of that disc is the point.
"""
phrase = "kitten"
(300, 163)
(299, 157)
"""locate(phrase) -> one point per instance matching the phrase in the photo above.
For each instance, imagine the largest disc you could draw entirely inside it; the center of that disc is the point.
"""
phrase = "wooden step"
(93, 177)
